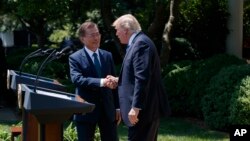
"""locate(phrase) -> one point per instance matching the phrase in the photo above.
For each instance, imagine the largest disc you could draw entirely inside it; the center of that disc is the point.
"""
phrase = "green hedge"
(240, 103)
(186, 82)
(220, 104)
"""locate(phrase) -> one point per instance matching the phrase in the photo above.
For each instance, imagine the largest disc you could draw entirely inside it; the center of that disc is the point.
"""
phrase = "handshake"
(110, 82)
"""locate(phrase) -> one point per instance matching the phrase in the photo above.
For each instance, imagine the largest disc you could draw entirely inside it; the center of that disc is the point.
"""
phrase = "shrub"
(240, 103)
(186, 82)
(204, 71)
(216, 103)
(177, 81)
(5, 136)
(70, 133)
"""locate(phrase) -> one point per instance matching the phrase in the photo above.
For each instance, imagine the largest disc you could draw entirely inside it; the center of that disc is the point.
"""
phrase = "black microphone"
(65, 51)
(66, 48)
(47, 51)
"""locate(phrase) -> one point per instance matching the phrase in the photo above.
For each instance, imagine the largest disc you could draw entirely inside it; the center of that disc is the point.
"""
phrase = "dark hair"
(84, 26)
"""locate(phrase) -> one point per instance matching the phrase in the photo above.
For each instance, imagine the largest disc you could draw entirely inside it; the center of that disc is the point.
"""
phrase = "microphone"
(67, 47)
(47, 51)
(36, 53)
(65, 51)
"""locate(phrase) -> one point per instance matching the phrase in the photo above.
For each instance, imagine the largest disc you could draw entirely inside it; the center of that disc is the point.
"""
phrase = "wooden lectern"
(24, 84)
(50, 108)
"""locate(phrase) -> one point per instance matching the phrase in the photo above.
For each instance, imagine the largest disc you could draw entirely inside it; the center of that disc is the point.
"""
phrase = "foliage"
(70, 133)
(246, 19)
(204, 24)
(186, 82)
(177, 82)
(181, 49)
(240, 103)
(4, 135)
(29, 9)
(4, 131)
(216, 103)
(8, 23)
(204, 71)
(59, 35)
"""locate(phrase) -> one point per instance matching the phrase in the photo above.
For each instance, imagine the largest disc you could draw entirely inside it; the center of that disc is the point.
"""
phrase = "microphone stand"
(51, 57)
(36, 53)
(54, 55)
(32, 54)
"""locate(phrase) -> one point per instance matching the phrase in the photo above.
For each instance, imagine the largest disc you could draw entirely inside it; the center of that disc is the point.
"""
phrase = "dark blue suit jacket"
(140, 84)
(85, 78)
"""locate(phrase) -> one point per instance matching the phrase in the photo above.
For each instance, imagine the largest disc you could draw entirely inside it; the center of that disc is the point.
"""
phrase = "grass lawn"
(171, 129)
(176, 129)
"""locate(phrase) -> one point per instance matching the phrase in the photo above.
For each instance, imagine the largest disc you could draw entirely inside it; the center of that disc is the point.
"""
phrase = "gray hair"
(129, 22)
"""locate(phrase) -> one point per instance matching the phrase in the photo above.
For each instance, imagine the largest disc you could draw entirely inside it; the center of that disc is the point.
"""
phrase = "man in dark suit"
(141, 93)
(88, 73)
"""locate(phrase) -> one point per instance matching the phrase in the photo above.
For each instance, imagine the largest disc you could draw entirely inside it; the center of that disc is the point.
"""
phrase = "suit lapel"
(130, 50)
(85, 57)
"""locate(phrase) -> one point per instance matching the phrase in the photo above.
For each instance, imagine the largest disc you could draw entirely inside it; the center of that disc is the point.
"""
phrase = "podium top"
(52, 106)
(14, 78)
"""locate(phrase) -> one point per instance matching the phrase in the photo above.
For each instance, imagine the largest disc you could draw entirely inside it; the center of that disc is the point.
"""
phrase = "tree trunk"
(166, 38)
(41, 39)
(155, 29)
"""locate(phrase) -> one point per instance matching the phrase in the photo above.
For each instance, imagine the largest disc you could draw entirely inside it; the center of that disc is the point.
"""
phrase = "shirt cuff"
(102, 82)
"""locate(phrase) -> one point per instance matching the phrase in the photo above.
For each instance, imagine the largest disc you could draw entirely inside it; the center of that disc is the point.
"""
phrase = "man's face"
(122, 34)
(92, 38)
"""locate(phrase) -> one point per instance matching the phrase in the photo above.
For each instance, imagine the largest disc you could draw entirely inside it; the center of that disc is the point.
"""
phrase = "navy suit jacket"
(140, 84)
(85, 78)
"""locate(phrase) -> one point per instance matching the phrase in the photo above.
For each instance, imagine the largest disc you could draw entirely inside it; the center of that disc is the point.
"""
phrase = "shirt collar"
(90, 52)
(132, 38)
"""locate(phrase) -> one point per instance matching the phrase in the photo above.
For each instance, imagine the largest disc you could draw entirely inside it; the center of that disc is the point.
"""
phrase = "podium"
(43, 112)
(14, 78)
(50, 108)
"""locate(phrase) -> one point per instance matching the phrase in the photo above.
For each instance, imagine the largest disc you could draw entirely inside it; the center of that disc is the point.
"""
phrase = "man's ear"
(81, 39)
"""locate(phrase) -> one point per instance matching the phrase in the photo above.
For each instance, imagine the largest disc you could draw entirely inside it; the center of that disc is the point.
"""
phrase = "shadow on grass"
(177, 129)
(171, 129)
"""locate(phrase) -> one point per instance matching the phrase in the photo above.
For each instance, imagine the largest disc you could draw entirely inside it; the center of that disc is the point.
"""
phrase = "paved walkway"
(9, 114)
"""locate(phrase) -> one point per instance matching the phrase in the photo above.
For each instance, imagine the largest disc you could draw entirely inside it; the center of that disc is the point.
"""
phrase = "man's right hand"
(111, 82)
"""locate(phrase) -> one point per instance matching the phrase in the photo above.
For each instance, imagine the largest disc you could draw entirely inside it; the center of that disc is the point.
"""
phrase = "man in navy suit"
(141, 93)
(89, 76)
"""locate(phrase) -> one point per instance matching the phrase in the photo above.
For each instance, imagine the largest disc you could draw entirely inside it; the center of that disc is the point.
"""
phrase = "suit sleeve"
(115, 91)
(141, 65)
(77, 74)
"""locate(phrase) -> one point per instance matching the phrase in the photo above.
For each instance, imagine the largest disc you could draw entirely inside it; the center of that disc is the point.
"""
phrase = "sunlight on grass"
(171, 129)
(174, 129)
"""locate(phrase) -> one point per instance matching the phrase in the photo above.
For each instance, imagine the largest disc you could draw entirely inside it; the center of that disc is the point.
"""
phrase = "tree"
(166, 40)
(35, 15)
